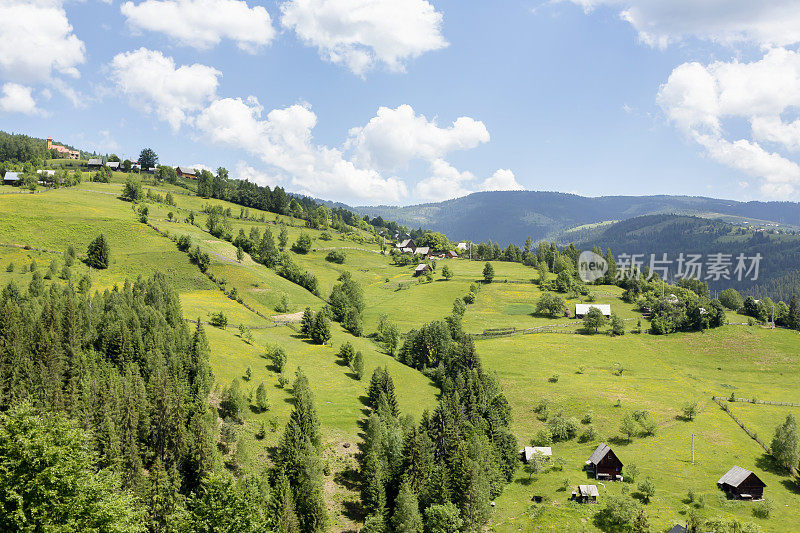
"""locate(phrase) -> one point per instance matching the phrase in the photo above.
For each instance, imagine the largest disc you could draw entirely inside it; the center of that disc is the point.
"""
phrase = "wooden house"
(605, 464)
(95, 163)
(424, 251)
(186, 172)
(742, 484)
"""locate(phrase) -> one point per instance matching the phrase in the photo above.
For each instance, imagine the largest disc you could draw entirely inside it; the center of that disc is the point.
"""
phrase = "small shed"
(451, 254)
(742, 484)
(586, 494)
(677, 528)
(529, 451)
(113, 165)
(582, 309)
(95, 163)
(605, 464)
(422, 268)
(11, 178)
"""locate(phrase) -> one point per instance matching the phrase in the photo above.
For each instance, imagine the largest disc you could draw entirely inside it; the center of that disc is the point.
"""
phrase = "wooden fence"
(754, 400)
(752, 434)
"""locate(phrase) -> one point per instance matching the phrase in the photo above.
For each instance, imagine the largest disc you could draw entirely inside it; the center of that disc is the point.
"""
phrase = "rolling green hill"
(597, 379)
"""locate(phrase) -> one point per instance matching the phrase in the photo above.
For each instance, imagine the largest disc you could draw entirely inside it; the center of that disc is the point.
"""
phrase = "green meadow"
(597, 375)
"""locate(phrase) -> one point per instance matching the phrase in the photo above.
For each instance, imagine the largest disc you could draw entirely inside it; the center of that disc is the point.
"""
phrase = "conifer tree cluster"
(442, 473)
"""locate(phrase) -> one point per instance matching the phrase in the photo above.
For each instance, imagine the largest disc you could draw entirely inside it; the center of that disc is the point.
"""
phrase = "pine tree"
(321, 330)
(406, 517)
(282, 514)
(794, 313)
(307, 322)
(262, 403)
(309, 500)
(97, 254)
(358, 365)
(283, 238)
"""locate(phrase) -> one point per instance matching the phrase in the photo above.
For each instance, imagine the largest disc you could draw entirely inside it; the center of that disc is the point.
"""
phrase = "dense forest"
(106, 423)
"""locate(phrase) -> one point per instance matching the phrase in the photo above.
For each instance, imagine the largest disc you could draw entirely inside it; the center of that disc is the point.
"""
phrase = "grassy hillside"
(576, 373)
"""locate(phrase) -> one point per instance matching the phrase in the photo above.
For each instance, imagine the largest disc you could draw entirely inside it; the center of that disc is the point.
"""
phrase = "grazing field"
(597, 379)
(660, 375)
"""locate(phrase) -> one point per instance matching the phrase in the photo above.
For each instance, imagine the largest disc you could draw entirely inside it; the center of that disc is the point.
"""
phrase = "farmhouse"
(46, 172)
(11, 178)
(462, 246)
(406, 246)
(605, 464)
(113, 165)
(742, 484)
(186, 172)
(424, 251)
(529, 451)
(422, 267)
(586, 494)
(63, 150)
(95, 163)
(582, 309)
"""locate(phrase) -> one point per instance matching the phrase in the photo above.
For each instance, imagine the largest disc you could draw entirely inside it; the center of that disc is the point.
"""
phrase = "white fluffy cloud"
(17, 98)
(661, 22)
(36, 41)
(700, 99)
(502, 180)
(446, 182)
(246, 172)
(283, 140)
(154, 84)
(362, 33)
(203, 23)
(395, 136)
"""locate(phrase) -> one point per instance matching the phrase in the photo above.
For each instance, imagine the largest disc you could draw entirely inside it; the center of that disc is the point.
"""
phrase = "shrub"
(690, 410)
(277, 356)
(184, 243)
(303, 244)
(587, 417)
(335, 256)
(589, 434)
(219, 320)
(647, 489)
(763, 509)
(543, 438)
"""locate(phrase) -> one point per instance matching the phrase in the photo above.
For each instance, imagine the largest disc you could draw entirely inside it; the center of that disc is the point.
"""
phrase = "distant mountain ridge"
(512, 216)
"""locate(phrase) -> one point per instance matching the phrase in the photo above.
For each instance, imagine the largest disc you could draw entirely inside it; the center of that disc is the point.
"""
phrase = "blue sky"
(406, 101)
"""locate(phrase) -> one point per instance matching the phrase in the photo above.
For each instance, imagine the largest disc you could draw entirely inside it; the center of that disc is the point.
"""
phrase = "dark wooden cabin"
(605, 464)
(742, 484)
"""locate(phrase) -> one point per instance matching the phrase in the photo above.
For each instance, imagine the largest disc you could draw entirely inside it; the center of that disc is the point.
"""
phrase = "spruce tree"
(97, 254)
(262, 403)
(406, 517)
